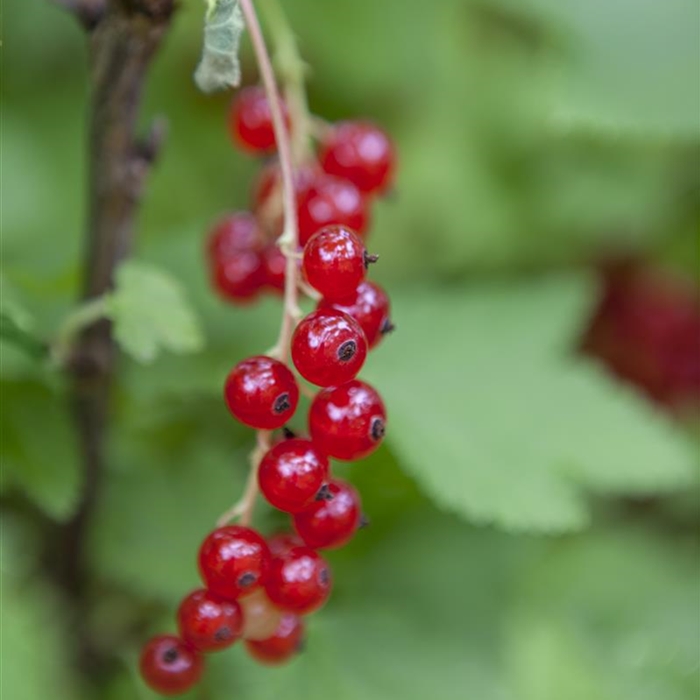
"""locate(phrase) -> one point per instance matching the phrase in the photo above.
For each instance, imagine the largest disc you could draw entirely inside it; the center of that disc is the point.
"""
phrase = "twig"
(87, 12)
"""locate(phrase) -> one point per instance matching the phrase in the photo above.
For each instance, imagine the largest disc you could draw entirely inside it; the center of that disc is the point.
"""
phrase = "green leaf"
(39, 449)
(219, 67)
(150, 313)
(497, 422)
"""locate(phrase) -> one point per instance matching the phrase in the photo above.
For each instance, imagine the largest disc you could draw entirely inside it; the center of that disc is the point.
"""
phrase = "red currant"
(239, 277)
(208, 622)
(250, 121)
(331, 522)
(282, 542)
(274, 266)
(369, 306)
(261, 392)
(269, 182)
(237, 232)
(331, 200)
(348, 421)
(233, 560)
(328, 347)
(169, 666)
(360, 152)
(335, 262)
(260, 616)
(282, 645)
(291, 474)
(299, 581)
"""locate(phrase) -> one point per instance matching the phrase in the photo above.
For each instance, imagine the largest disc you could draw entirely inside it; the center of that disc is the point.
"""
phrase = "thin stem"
(88, 313)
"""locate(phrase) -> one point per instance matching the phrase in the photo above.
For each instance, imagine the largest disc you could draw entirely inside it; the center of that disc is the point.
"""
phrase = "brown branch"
(124, 37)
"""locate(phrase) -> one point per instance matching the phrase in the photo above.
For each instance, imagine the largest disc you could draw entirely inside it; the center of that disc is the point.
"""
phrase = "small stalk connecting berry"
(304, 236)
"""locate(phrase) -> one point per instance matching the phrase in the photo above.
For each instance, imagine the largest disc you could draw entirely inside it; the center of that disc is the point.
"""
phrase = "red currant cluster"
(257, 589)
(355, 161)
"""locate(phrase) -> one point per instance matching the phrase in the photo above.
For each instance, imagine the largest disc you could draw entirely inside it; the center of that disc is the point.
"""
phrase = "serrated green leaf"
(150, 313)
(39, 447)
(497, 422)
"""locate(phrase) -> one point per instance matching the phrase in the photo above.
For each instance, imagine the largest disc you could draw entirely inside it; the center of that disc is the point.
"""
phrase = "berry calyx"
(286, 641)
(250, 121)
(233, 561)
(291, 474)
(369, 306)
(299, 581)
(169, 666)
(360, 152)
(330, 200)
(328, 347)
(335, 262)
(260, 617)
(207, 622)
(261, 392)
(348, 421)
(331, 523)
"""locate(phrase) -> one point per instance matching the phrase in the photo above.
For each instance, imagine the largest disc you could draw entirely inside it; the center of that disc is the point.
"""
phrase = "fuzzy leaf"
(151, 314)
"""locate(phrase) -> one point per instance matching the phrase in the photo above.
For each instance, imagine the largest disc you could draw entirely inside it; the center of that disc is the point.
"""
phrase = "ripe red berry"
(269, 182)
(331, 522)
(360, 152)
(369, 306)
(169, 666)
(261, 392)
(260, 616)
(335, 262)
(233, 560)
(299, 581)
(282, 645)
(237, 232)
(274, 265)
(331, 200)
(328, 347)
(238, 277)
(207, 622)
(291, 474)
(282, 542)
(348, 421)
(250, 121)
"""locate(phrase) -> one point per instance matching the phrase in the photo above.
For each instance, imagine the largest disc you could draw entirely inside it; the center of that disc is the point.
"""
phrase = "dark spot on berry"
(324, 577)
(171, 655)
(282, 403)
(369, 259)
(377, 429)
(223, 634)
(347, 351)
(247, 579)
(387, 327)
(364, 521)
(324, 494)
(287, 433)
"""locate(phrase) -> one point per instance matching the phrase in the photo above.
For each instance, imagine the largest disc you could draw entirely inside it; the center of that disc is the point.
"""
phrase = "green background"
(534, 523)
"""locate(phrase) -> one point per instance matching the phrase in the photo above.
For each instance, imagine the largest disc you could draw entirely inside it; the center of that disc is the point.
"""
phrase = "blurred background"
(535, 509)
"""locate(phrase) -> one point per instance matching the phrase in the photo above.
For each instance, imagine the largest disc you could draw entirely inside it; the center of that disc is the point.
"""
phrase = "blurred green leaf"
(150, 313)
(39, 449)
(498, 424)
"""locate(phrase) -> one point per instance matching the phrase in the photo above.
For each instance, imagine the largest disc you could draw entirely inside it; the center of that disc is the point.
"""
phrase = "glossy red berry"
(207, 622)
(169, 666)
(360, 152)
(328, 347)
(335, 262)
(331, 522)
(274, 265)
(250, 121)
(238, 277)
(369, 306)
(237, 232)
(291, 474)
(348, 421)
(233, 561)
(331, 200)
(261, 392)
(282, 542)
(282, 645)
(299, 581)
